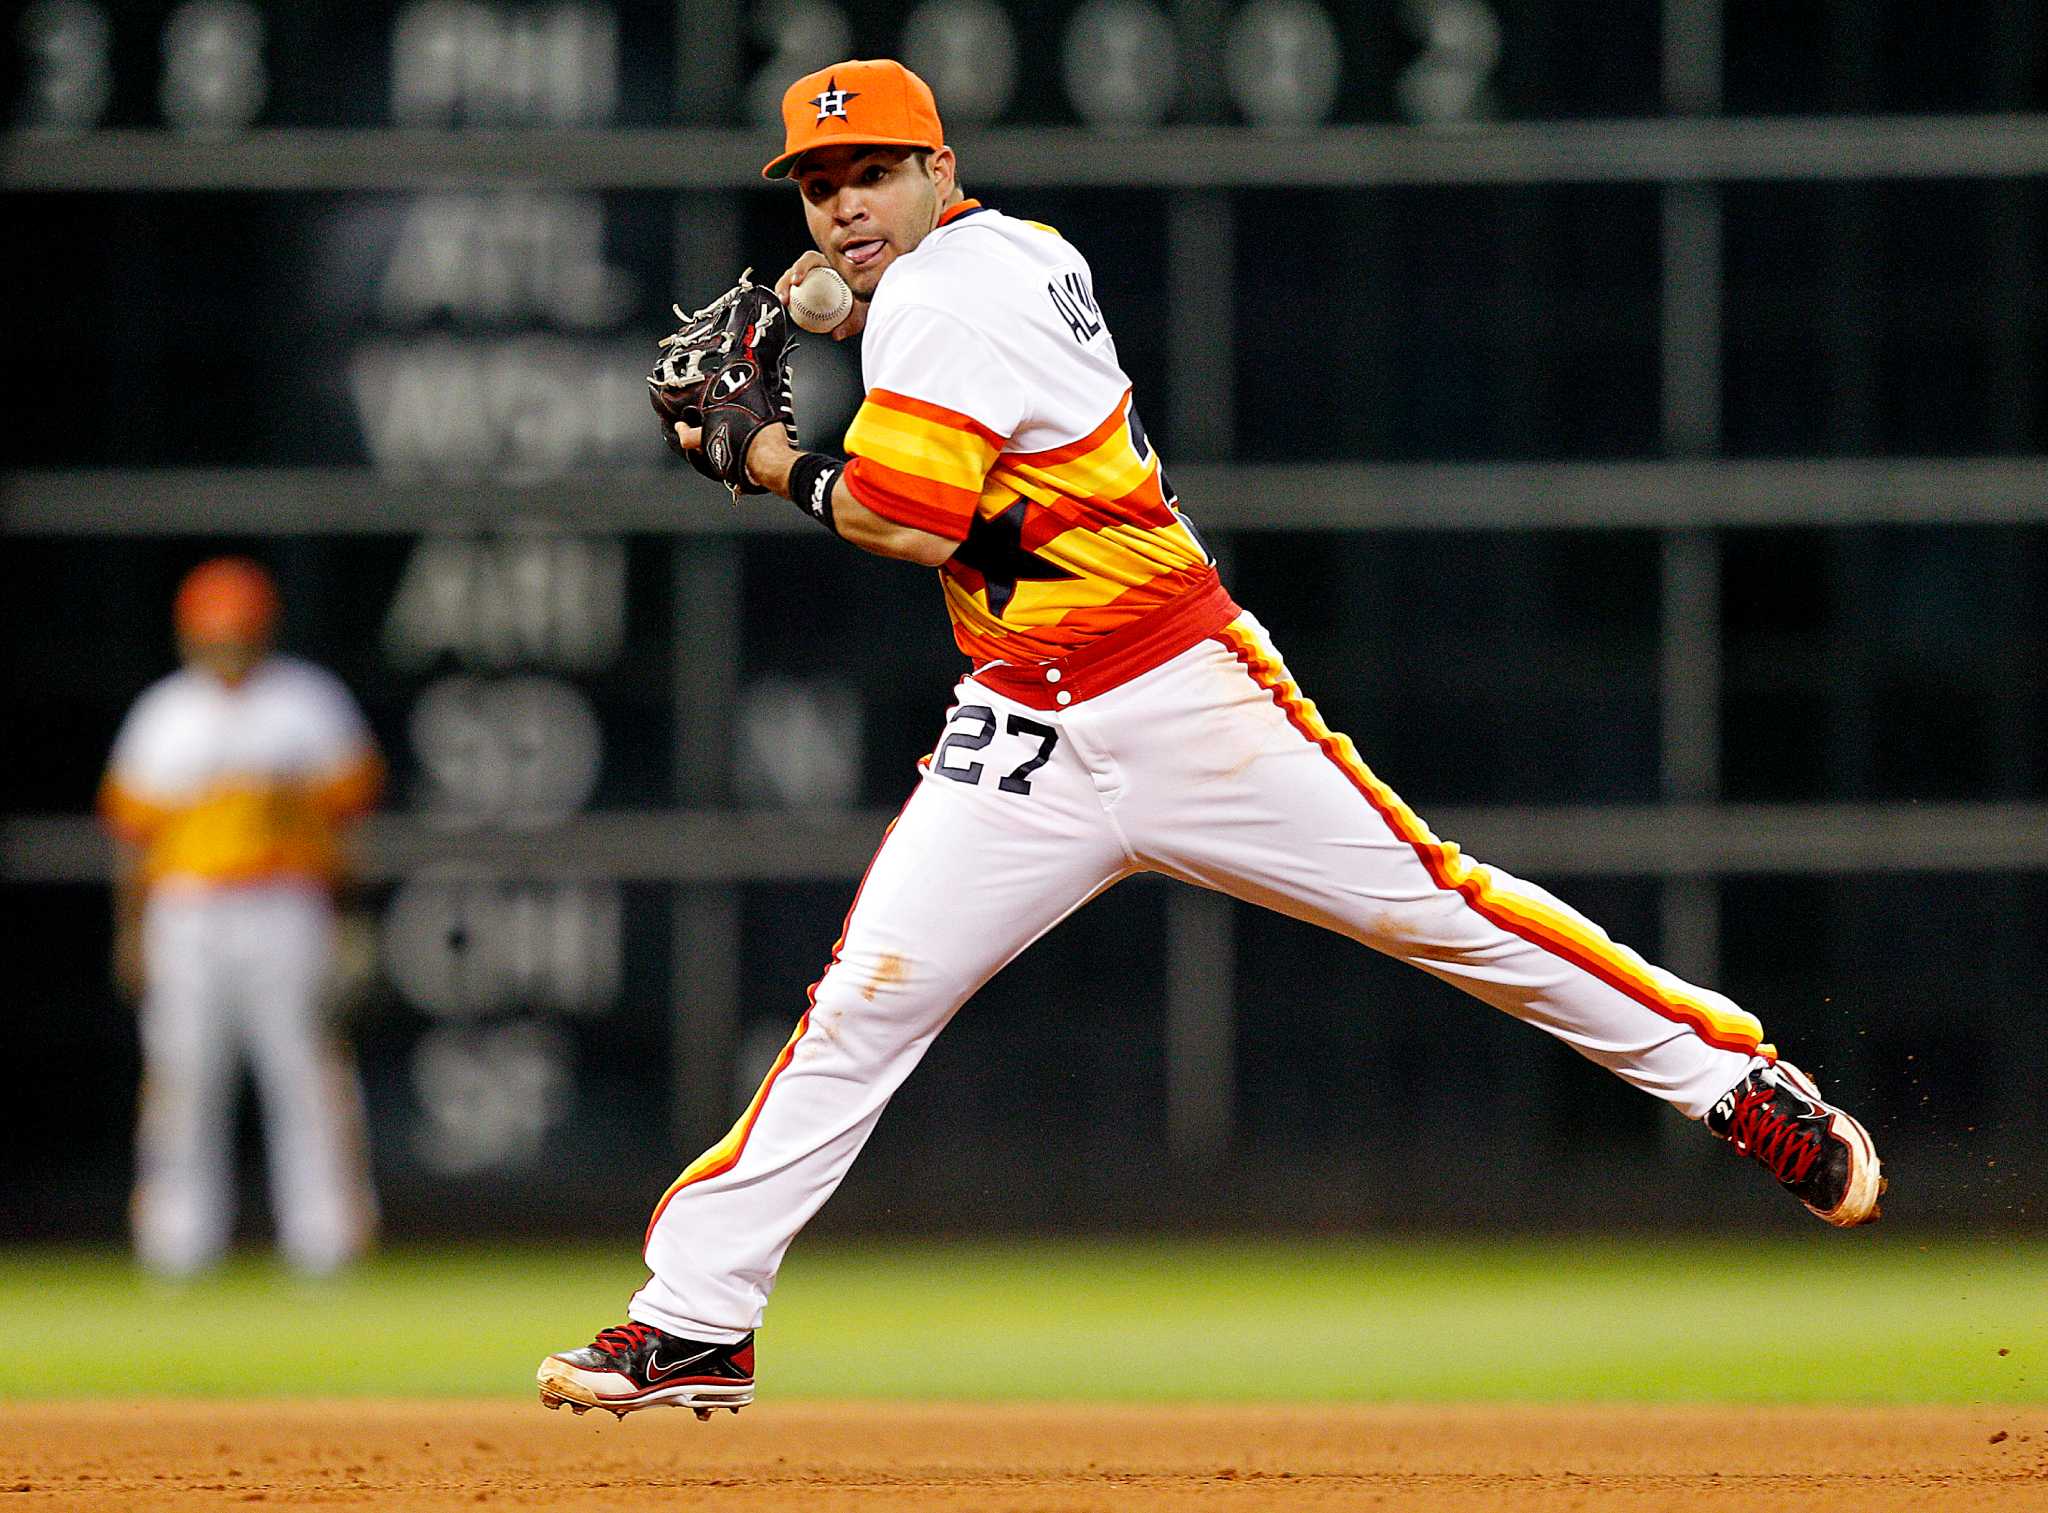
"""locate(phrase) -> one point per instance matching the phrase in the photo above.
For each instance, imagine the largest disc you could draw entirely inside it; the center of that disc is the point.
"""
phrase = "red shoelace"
(1760, 1130)
(622, 1339)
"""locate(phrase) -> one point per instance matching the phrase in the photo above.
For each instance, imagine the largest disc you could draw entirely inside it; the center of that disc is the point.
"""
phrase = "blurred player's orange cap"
(870, 102)
(227, 599)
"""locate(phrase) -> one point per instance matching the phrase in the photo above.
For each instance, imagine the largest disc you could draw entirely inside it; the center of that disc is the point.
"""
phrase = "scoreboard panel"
(1522, 174)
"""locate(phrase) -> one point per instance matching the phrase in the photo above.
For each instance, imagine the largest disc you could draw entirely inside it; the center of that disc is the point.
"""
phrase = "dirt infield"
(435, 1455)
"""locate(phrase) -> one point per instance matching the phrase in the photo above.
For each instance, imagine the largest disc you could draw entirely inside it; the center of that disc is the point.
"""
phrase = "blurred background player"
(229, 787)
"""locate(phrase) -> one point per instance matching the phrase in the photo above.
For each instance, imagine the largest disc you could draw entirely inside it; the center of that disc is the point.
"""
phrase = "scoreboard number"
(69, 74)
(215, 80)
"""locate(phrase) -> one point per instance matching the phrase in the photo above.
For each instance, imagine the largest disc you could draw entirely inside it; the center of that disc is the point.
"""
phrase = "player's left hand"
(723, 377)
(768, 459)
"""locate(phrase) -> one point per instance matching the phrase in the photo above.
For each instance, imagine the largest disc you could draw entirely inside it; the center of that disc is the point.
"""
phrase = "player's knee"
(876, 1000)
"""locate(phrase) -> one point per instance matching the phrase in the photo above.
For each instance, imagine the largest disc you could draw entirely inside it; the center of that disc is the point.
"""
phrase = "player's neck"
(233, 678)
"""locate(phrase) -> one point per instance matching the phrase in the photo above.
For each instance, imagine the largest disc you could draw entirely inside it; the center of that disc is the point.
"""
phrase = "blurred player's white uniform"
(236, 795)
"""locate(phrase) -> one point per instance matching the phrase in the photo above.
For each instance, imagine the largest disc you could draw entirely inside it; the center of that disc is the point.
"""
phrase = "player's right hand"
(853, 323)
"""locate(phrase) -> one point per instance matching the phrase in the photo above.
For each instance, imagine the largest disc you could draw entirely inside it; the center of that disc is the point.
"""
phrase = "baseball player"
(1122, 714)
(229, 786)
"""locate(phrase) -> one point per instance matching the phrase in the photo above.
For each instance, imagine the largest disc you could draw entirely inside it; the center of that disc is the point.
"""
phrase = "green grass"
(1828, 1318)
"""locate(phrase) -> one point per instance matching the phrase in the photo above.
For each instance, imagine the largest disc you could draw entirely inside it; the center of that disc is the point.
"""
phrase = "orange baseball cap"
(870, 102)
(227, 599)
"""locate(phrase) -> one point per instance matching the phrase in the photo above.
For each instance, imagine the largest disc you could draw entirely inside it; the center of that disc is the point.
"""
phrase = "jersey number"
(978, 728)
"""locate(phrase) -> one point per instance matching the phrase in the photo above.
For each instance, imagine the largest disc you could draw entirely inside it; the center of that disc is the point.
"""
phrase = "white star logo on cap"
(832, 100)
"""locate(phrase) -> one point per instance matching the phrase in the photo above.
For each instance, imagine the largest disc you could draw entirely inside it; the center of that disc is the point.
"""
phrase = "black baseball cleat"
(1825, 1158)
(632, 1366)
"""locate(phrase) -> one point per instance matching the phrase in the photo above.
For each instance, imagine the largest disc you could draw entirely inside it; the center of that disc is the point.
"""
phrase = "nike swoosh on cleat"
(656, 1369)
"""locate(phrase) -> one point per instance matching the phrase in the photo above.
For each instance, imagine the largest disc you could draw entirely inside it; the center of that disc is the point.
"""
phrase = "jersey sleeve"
(129, 802)
(348, 774)
(941, 403)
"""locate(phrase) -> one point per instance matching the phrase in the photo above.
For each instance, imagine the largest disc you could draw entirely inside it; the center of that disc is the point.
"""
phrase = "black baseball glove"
(726, 371)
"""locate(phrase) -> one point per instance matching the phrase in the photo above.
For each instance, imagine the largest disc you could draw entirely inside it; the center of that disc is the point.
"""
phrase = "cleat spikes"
(703, 1415)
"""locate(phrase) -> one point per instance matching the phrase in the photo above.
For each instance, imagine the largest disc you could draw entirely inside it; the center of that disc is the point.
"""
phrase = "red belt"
(1155, 637)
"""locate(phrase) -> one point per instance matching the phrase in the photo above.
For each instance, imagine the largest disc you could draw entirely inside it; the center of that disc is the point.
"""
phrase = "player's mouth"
(863, 252)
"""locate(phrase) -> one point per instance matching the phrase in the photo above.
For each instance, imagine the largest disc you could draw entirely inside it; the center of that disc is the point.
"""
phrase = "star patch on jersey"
(831, 101)
(995, 552)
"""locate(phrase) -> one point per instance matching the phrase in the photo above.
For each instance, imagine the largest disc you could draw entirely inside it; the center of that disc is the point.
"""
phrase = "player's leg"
(183, 1207)
(1259, 798)
(1004, 836)
(285, 941)
(965, 879)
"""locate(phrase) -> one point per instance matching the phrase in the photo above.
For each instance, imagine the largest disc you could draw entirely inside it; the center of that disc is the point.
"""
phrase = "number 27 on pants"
(972, 727)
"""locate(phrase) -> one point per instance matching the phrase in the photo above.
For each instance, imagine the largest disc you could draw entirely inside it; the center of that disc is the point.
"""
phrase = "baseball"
(820, 301)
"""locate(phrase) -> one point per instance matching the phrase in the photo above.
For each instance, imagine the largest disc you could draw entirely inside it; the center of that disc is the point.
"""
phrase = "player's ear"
(945, 171)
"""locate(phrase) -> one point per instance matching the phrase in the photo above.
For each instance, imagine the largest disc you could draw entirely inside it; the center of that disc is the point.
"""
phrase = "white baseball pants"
(237, 972)
(1213, 768)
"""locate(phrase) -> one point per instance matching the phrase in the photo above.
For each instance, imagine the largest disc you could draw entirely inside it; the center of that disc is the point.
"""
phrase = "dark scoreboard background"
(1028, 62)
(540, 665)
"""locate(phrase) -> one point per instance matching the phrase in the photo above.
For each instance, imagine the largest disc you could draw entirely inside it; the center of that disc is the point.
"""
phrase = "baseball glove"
(726, 371)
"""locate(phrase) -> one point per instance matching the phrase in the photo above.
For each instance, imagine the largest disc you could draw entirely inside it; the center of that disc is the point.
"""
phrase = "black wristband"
(812, 478)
